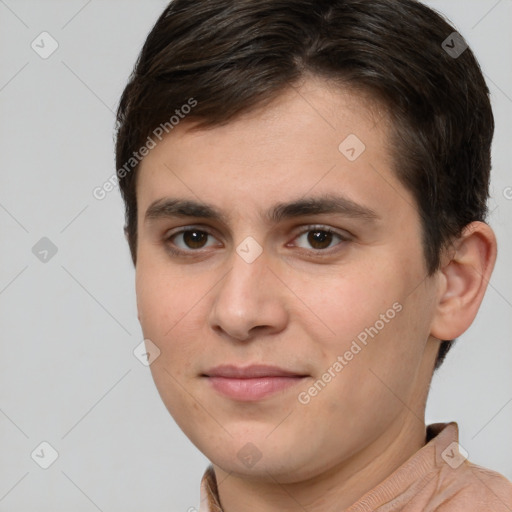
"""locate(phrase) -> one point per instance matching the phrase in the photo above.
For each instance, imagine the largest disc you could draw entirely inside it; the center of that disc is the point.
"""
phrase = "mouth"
(251, 383)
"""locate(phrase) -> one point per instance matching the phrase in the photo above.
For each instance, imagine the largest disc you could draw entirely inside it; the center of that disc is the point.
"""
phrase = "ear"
(464, 276)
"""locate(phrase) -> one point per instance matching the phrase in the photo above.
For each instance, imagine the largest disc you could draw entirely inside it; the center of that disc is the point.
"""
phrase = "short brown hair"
(234, 55)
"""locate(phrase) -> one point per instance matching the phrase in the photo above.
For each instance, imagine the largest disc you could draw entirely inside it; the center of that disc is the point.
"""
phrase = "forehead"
(311, 139)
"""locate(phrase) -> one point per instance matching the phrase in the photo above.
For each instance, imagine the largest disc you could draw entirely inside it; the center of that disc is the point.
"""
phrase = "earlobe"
(464, 280)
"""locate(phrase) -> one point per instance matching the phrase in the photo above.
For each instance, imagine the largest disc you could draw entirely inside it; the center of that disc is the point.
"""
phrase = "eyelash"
(316, 252)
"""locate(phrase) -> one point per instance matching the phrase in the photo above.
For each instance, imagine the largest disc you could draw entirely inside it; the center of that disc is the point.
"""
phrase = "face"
(280, 272)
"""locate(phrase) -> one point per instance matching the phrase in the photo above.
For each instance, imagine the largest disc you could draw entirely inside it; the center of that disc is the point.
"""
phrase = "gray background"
(68, 375)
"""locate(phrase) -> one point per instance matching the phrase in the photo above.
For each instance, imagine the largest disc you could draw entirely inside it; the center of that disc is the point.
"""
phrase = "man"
(305, 186)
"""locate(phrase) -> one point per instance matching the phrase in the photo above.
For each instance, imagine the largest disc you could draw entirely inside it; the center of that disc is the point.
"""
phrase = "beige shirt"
(437, 477)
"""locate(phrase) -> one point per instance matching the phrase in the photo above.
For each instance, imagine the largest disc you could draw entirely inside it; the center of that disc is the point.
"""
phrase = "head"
(246, 119)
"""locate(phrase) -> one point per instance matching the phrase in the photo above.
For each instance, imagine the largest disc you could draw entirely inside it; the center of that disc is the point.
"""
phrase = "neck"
(336, 488)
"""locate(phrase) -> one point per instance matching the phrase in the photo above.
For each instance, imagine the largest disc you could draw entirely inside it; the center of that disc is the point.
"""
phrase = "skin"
(293, 308)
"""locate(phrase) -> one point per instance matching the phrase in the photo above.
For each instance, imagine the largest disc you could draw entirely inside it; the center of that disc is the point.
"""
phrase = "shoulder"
(473, 488)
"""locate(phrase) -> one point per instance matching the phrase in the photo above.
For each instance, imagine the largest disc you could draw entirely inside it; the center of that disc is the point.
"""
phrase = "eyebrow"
(326, 204)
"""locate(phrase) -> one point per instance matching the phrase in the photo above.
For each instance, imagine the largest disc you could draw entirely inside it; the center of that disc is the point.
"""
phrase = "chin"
(259, 456)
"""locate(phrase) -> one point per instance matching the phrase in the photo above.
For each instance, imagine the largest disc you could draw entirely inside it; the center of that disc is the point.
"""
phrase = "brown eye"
(188, 240)
(319, 239)
(195, 239)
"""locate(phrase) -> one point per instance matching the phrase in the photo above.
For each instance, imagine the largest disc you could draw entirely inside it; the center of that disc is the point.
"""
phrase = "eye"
(188, 240)
(321, 237)
(194, 240)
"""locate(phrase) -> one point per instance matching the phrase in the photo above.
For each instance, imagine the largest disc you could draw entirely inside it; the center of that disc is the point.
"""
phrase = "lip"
(251, 383)
(230, 371)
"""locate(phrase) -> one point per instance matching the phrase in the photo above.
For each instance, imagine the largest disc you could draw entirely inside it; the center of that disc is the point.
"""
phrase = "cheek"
(162, 299)
(381, 362)
(373, 321)
(173, 311)
(152, 297)
(165, 308)
(352, 305)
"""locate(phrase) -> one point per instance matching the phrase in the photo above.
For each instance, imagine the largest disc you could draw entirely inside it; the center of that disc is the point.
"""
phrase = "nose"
(249, 301)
